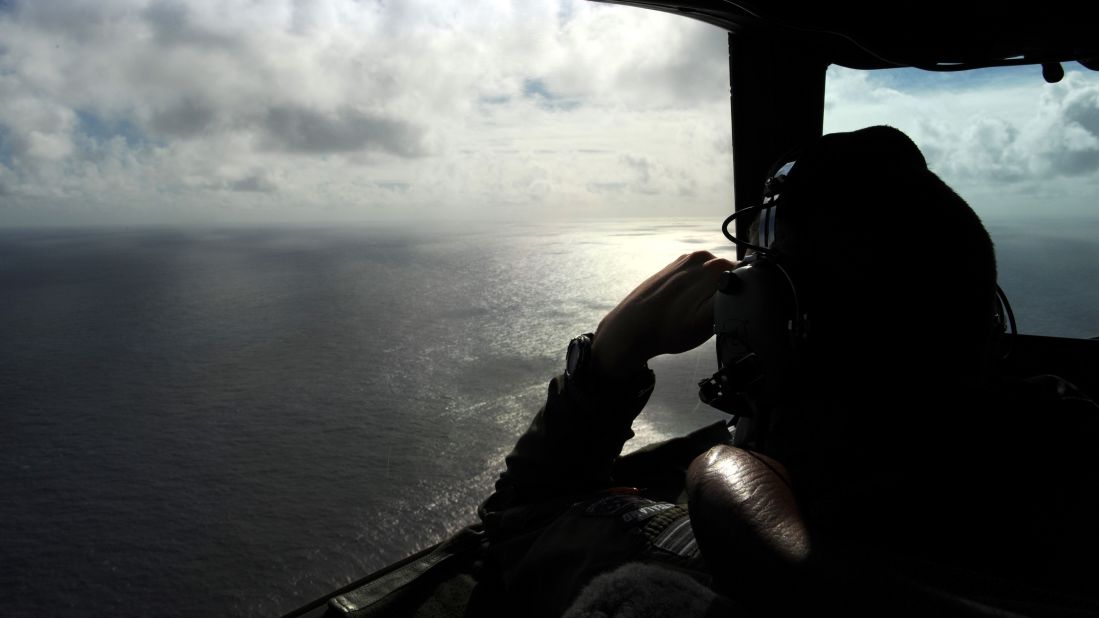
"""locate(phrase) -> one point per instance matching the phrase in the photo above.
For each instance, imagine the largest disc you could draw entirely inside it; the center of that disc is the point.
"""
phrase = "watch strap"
(579, 373)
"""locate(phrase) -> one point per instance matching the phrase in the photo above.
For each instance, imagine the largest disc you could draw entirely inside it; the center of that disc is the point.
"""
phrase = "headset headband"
(772, 191)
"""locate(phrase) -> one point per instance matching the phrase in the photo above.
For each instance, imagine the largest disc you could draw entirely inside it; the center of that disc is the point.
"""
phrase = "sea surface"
(232, 422)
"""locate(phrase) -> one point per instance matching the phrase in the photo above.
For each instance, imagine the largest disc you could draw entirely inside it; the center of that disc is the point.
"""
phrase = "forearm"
(572, 444)
(569, 448)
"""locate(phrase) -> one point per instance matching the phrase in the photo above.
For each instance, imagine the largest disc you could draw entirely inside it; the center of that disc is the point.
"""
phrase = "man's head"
(898, 271)
(895, 283)
(894, 274)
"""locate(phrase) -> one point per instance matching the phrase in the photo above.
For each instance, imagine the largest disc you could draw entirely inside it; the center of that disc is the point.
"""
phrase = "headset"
(760, 319)
(762, 322)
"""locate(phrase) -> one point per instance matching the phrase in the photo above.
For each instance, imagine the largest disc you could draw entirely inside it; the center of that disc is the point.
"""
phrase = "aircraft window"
(280, 285)
(1023, 153)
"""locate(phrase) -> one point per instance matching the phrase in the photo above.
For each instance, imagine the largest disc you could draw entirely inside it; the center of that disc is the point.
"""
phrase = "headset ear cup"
(758, 305)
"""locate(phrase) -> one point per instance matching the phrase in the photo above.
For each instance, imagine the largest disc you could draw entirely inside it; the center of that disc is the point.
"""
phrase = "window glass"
(1023, 153)
(281, 283)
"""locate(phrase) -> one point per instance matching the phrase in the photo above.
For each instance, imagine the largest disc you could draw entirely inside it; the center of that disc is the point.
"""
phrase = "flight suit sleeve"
(568, 451)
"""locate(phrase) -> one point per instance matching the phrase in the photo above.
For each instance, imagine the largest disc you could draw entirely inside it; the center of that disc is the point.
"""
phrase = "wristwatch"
(579, 371)
(578, 359)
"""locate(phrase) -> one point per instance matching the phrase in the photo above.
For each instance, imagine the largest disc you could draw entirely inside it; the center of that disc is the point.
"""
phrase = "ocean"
(232, 422)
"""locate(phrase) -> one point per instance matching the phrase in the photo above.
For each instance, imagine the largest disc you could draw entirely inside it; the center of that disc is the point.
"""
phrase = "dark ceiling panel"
(932, 34)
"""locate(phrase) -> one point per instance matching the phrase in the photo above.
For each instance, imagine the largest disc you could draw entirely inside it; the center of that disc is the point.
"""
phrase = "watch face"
(572, 357)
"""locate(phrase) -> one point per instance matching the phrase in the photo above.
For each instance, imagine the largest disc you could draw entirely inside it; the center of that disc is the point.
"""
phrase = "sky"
(173, 111)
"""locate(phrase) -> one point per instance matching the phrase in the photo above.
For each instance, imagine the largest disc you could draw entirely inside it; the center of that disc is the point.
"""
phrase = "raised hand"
(671, 312)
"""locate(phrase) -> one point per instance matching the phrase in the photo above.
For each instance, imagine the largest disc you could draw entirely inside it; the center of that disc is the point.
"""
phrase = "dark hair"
(897, 270)
(898, 277)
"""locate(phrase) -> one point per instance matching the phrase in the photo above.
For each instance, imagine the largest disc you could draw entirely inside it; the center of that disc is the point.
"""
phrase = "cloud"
(78, 21)
(302, 130)
(1059, 138)
(337, 108)
(1002, 128)
(1069, 121)
(656, 178)
(187, 117)
(630, 57)
(499, 108)
(257, 182)
(172, 25)
(34, 130)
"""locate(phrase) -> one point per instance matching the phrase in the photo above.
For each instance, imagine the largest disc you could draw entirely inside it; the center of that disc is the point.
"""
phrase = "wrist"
(592, 367)
(616, 366)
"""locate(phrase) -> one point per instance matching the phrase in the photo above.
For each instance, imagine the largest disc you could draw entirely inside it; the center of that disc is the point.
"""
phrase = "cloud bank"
(322, 110)
(1008, 142)
(197, 111)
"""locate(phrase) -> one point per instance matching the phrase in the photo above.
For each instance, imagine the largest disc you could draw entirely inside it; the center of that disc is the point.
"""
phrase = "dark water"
(233, 422)
(1050, 272)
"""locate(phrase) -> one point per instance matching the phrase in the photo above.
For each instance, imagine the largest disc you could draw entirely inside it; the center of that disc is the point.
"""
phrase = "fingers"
(720, 264)
(705, 259)
(689, 278)
(696, 256)
(679, 276)
(696, 302)
(700, 297)
(704, 284)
